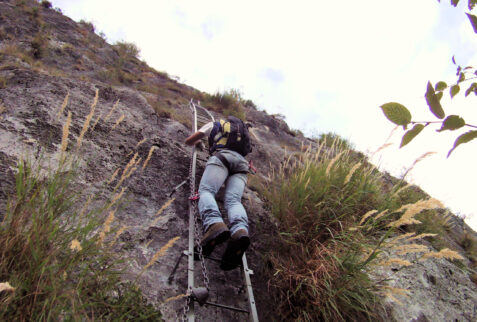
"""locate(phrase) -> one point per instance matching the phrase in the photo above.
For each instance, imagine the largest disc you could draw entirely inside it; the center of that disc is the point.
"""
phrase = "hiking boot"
(216, 234)
(236, 247)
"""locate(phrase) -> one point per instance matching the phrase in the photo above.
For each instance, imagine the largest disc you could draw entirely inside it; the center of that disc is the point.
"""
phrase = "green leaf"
(464, 138)
(411, 134)
(473, 21)
(454, 2)
(471, 89)
(454, 90)
(452, 122)
(461, 78)
(472, 4)
(397, 113)
(433, 102)
(439, 96)
(440, 86)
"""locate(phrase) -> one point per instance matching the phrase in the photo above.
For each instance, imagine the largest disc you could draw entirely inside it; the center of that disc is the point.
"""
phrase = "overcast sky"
(325, 65)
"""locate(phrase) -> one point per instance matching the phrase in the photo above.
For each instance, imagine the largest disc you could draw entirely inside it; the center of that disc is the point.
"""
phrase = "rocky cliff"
(46, 57)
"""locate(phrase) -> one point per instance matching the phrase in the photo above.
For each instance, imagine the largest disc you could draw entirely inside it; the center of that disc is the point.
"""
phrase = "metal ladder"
(200, 116)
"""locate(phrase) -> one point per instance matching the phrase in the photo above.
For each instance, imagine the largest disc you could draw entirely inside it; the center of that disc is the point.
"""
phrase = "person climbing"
(229, 143)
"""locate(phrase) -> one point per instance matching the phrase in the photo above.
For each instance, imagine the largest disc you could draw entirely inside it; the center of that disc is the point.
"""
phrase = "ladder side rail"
(201, 108)
(190, 275)
(248, 284)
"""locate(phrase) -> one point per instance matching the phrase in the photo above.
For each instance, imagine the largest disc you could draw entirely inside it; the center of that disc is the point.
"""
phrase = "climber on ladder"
(229, 142)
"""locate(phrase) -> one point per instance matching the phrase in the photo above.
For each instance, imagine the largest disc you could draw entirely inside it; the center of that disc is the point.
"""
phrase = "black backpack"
(230, 134)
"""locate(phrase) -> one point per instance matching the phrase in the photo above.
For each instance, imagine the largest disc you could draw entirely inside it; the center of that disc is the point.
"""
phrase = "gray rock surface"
(438, 290)
(29, 122)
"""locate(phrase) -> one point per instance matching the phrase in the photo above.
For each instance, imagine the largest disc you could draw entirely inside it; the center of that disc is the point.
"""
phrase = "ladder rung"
(237, 309)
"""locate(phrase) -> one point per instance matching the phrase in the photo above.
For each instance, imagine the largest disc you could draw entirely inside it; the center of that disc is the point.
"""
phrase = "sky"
(327, 66)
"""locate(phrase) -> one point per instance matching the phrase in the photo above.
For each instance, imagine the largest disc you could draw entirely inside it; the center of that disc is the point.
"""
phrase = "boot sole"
(233, 253)
(217, 239)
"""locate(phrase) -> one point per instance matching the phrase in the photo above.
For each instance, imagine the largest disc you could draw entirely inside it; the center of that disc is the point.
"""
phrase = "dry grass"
(116, 236)
(149, 155)
(118, 121)
(413, 209)
(140, 143)
(175, 298)
(66, 131)
(159, 212)
(113, 176)
(87, 121)
(443, 253)
(6, 287)
(75, 245)
(115, 106)
(161, 252)
(421, 158)
(63, 106)
(106, 227)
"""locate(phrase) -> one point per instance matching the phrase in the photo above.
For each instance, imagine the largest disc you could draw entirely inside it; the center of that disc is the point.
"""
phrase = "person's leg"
(215, 231)
(239, 240)
(233, 202)
(212, 179)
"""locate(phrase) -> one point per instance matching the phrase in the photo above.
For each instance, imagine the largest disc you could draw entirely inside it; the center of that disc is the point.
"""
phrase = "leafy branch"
(400, 115)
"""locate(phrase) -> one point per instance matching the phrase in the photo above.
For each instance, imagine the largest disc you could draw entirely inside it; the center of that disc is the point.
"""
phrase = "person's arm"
(194, 138)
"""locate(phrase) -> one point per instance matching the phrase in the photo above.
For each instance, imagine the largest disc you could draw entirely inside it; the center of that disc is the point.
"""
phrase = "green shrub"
(469, 244)
(295, 133)
(39, 46)
(88, 25)
(127, 49)
(35, 12)
(228, 103)
(46, 4)
(165, 110)
(329, 138)
(3, 82)
(116, 76)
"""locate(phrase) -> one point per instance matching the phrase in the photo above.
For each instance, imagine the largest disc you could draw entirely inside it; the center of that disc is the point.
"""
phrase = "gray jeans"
(214, 176)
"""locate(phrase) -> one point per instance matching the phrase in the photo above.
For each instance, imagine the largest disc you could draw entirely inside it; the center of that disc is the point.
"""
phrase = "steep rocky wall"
(31, 97)
(30, 121)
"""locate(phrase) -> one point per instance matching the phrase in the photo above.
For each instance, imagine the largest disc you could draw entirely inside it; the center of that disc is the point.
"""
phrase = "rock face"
(76, 61)
(438, 291)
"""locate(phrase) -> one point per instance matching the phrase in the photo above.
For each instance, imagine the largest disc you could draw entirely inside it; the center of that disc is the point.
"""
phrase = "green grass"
(52, 280)
(330, 138)
(318, 263)
(163, 109)
(127, 49)
(328, 237)
(58, 246)
(228, 103)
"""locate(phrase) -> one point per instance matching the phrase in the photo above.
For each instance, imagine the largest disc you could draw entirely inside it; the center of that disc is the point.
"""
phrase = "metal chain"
(186, 309)
(197, 241)
(199, 247)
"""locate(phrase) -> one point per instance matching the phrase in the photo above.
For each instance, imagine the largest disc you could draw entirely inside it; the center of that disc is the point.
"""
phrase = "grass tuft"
(336, 221)
(54, 265)
(229, 102)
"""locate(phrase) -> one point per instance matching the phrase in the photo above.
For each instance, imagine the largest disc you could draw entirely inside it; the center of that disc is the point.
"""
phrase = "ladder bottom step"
(236, 309)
